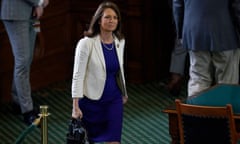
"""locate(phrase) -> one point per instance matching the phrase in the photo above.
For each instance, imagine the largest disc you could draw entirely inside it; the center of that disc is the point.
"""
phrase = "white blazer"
(89, 73)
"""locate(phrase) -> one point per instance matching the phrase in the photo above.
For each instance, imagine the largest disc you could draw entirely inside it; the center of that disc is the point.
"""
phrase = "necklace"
(107, 47)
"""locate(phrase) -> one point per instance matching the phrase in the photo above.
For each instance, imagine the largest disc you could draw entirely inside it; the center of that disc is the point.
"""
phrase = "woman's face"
(109, 20)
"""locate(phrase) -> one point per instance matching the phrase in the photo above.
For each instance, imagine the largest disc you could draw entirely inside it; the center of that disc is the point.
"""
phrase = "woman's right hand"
(76, 111)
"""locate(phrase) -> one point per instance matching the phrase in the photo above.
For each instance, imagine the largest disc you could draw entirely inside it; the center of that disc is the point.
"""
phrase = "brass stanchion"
(44, 124)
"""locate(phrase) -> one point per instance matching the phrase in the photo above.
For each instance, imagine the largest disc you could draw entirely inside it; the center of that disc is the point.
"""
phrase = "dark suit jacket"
(205, 24)
(17, 9)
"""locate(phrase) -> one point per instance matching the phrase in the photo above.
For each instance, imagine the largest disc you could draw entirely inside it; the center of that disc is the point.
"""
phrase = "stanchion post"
(44, 124)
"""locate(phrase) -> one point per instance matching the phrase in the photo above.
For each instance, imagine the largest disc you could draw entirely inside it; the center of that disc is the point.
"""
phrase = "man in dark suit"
(208, 32)
(18, 17)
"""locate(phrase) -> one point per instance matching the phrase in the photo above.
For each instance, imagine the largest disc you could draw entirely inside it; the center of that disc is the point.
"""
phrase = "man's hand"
(38, 12)
(45, 3)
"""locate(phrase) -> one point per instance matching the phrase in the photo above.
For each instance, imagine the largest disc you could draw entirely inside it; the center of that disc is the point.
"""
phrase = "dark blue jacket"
(206, 25)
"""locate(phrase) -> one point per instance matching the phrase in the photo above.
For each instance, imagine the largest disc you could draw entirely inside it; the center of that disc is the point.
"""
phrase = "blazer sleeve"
(80, 67)
(235, 11)
(122, 73)
(178, 15)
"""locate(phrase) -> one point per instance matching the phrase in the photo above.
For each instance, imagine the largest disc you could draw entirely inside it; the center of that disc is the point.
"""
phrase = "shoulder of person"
(86, 40)
(83, 42)
(119, 40)
(86, 43)
(122, 41)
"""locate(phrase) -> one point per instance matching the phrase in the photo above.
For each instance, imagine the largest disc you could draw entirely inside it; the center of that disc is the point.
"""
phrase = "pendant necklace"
(108, 48)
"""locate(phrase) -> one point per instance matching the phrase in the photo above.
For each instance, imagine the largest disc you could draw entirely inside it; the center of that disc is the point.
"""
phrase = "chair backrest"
(205, 124)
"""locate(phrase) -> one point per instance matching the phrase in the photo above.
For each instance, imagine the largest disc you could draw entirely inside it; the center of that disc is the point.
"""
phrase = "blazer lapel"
(98, 48)
(118, 50)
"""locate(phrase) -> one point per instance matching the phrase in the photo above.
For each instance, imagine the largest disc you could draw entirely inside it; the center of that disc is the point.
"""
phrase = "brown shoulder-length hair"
(94, 27)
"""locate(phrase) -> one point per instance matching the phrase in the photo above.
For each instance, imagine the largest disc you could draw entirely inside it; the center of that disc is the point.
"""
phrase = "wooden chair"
(206, 124)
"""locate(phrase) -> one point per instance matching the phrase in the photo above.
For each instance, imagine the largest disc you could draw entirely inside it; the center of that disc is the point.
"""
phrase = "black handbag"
(76, 132)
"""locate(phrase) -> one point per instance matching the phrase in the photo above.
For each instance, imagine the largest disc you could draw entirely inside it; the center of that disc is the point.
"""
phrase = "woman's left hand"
(125, 99)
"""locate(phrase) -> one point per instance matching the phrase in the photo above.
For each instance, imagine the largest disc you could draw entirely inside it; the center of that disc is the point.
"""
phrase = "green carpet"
(144, 122)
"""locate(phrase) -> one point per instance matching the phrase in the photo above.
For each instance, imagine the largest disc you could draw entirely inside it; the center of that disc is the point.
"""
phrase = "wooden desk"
(173, 124)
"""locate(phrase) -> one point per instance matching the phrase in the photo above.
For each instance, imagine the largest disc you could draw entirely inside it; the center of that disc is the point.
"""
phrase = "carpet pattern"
(144, 122)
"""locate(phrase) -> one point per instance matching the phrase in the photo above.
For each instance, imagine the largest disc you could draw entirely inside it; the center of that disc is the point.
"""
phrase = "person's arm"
(178, 14)
(235, 12)
(79, 70)
(80, 67)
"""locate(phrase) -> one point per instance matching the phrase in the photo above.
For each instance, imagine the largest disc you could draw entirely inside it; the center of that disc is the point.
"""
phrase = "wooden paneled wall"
(149, 35)
(148, 32)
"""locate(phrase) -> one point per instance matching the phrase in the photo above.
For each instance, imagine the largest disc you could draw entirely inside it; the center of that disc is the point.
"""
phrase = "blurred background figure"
(177, 68)
(211, 38)
(18, 17)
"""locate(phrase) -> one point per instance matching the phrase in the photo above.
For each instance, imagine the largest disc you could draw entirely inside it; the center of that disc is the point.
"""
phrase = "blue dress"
(103, 118)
